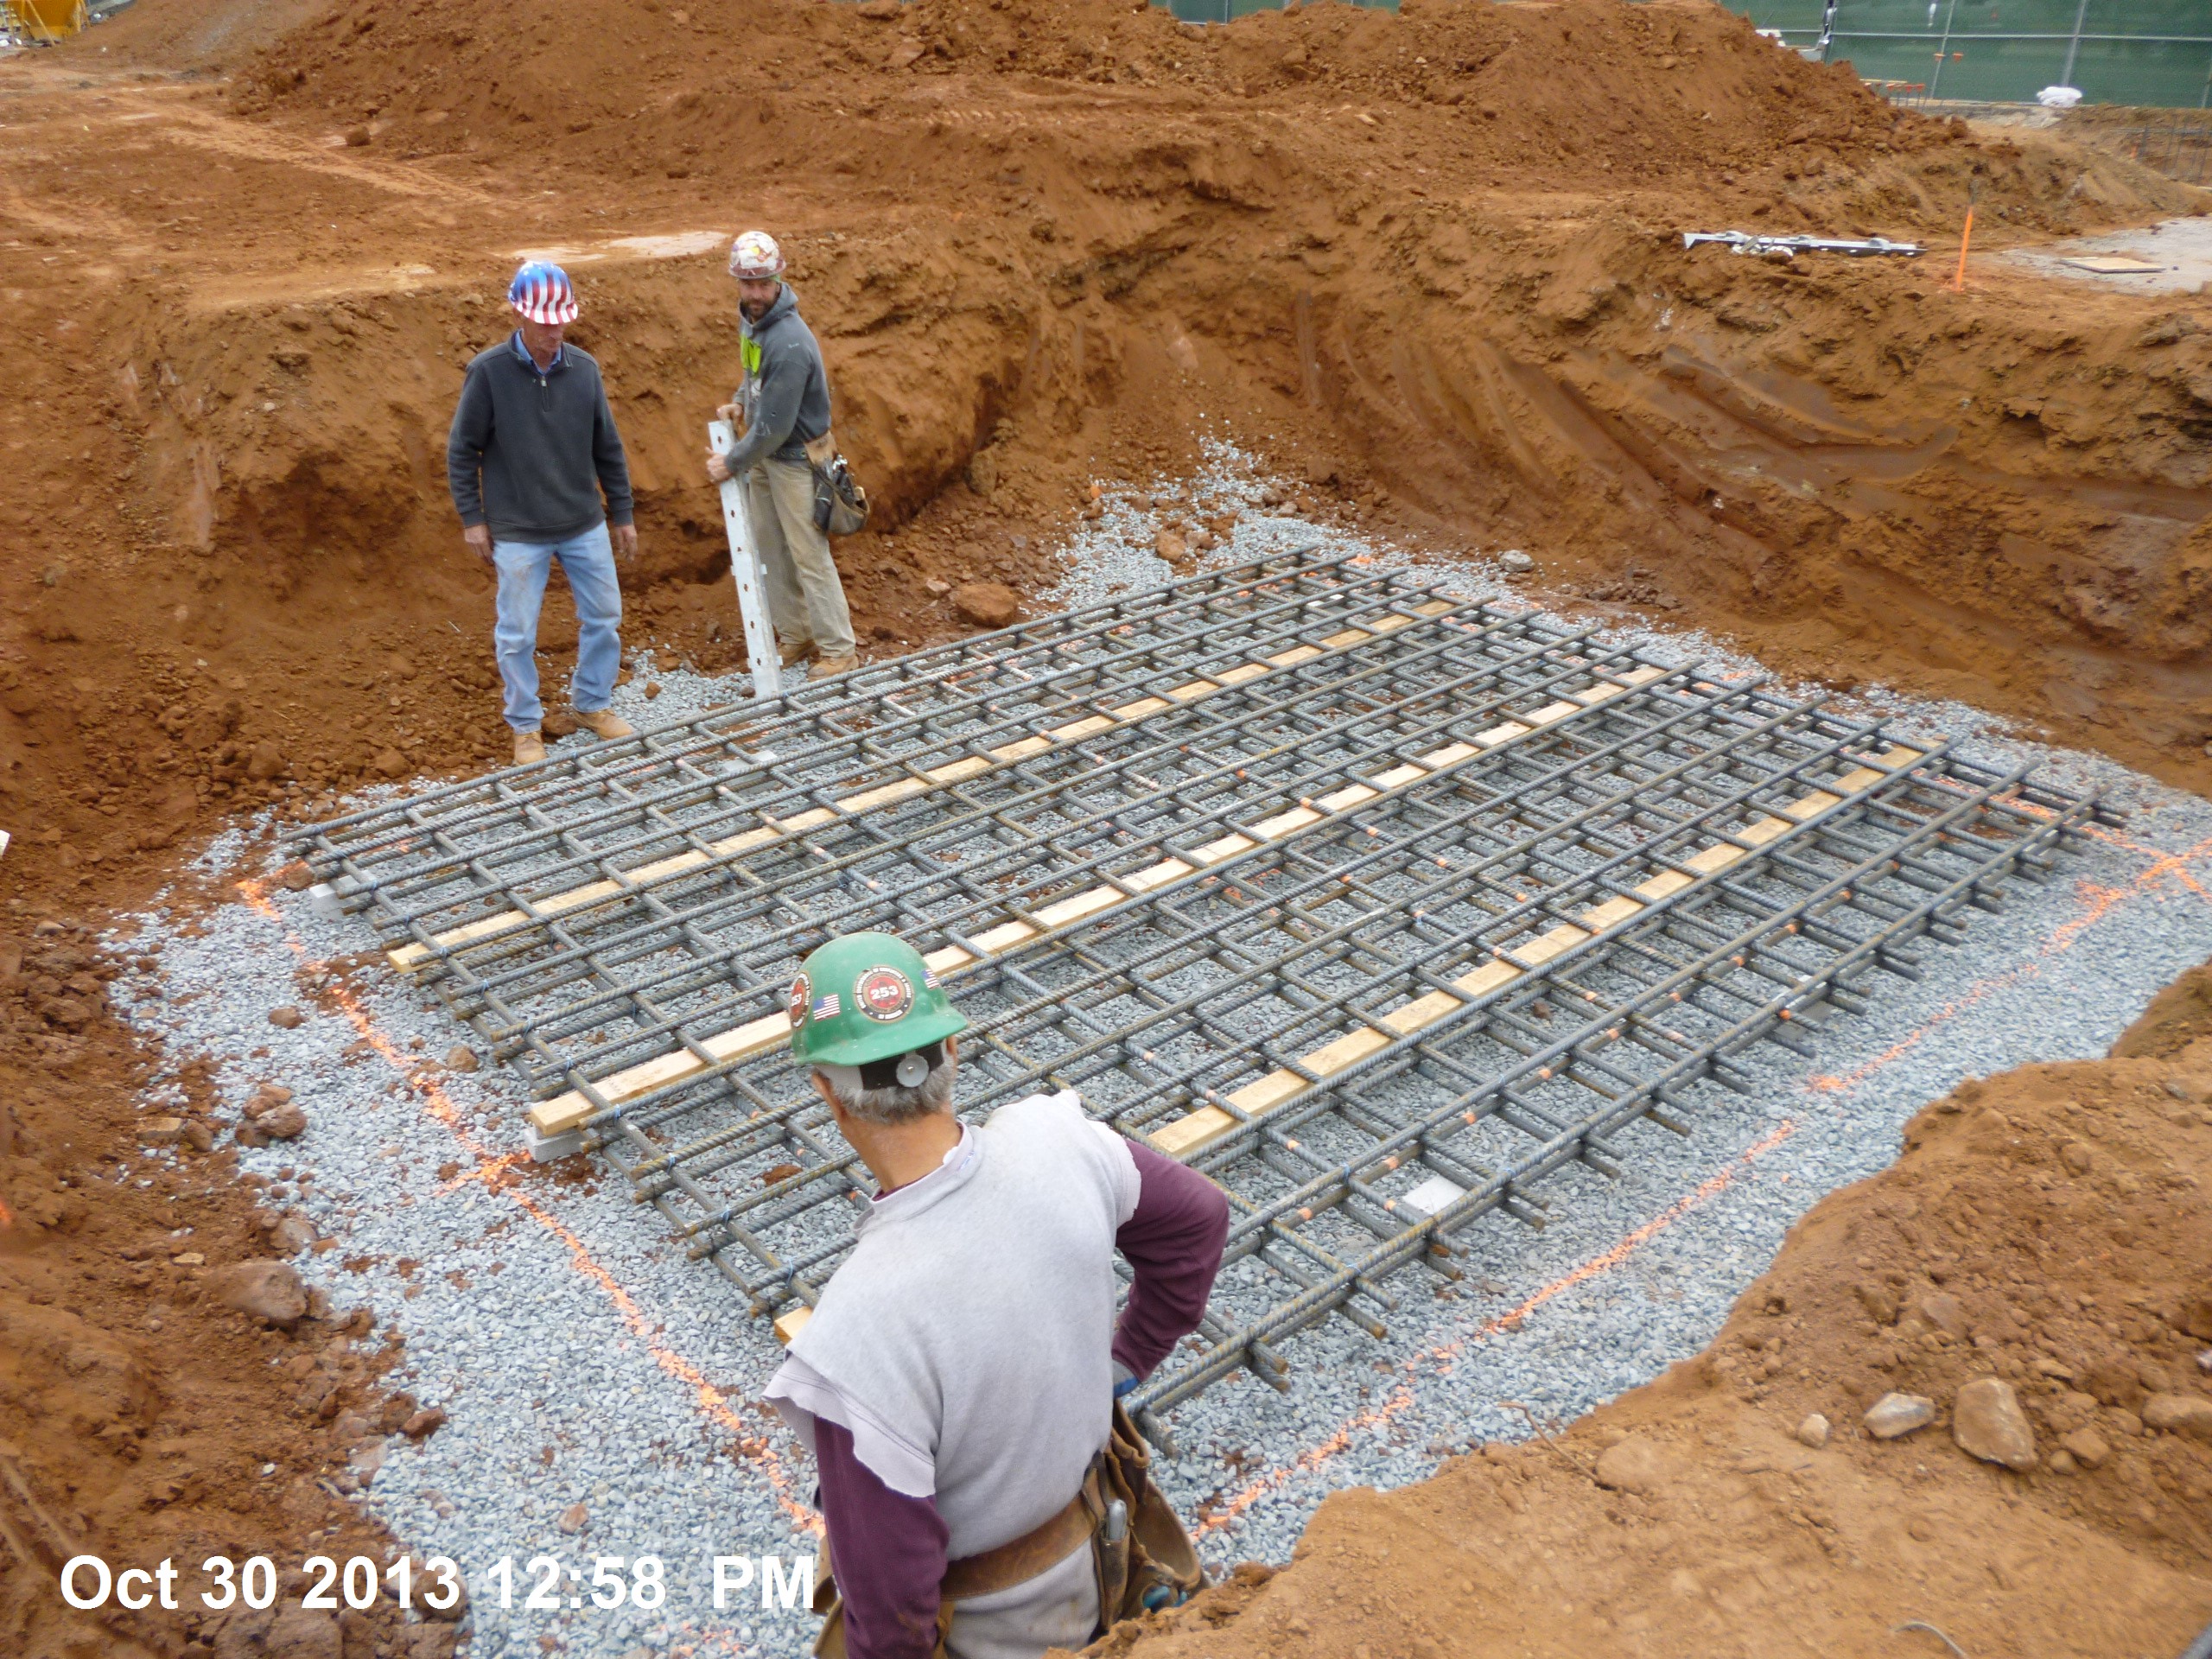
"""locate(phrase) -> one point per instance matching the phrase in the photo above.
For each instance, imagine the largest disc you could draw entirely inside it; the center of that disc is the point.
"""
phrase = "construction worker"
(959, 1380)
(784, 406)
(533, 422)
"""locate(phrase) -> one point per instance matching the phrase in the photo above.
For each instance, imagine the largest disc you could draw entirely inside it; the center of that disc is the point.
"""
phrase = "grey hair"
(894, 1103)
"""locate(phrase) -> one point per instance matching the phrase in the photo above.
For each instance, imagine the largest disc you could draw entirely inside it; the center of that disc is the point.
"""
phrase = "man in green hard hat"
(959, 1379)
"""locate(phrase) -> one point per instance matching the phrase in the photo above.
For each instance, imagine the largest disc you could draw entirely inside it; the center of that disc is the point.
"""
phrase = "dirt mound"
(2042, 1230)
(1428, 265)
(140, 1417)
(1681, 86)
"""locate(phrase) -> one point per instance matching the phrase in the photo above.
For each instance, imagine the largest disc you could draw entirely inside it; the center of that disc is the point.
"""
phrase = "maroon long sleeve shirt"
(1173, 1243)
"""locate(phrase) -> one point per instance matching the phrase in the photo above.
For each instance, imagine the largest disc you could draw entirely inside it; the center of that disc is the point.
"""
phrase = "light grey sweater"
(965, 1342)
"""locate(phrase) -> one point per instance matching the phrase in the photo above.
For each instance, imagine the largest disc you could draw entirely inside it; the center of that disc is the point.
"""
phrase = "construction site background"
(1426, 267)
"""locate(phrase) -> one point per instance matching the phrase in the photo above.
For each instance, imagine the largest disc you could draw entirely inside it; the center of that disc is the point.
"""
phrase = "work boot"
(828, 667)
(792, 655)
(530, 747)
(604, 722)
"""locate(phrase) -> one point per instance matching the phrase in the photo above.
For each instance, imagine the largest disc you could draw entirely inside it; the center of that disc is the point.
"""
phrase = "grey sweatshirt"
(544, 443)
(786, 396)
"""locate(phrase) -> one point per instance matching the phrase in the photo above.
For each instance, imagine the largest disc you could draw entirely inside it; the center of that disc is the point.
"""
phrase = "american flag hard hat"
(541, 292)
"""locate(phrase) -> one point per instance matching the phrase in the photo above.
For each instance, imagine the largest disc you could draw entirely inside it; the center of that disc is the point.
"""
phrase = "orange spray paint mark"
(1442, 1358)
(7, 1218)
(711, 1402)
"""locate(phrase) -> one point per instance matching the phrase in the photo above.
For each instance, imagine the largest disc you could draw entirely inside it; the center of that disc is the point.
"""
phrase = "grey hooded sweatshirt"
(786, 396)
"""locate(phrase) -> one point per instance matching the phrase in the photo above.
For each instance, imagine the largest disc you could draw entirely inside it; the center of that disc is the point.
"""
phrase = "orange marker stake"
(1966, 235)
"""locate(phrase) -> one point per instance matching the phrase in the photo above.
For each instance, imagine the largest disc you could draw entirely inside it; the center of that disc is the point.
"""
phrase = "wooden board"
(1194, 1130)
(409, 957)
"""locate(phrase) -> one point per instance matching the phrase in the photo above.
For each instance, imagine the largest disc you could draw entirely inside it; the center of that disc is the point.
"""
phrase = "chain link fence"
(2152, 54)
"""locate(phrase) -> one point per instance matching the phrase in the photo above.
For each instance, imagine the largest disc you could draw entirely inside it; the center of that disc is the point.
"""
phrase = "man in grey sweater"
(786, 405)
(532, 448)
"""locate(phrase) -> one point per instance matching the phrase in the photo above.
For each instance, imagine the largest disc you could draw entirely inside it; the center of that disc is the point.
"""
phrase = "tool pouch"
(1150, 1564)
(840, 504)
(1154, 1564)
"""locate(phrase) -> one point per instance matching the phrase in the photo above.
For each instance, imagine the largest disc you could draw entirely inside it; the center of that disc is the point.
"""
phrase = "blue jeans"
(588, 562)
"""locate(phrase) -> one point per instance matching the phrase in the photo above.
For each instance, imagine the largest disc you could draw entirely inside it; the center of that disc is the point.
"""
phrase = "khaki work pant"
(805, 598)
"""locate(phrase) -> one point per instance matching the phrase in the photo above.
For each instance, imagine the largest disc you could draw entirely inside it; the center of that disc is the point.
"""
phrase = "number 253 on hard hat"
(867, 996)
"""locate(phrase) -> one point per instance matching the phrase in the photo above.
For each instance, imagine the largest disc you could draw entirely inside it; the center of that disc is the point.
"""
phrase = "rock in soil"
(286, 1018)
(1814, 1432)
(1894, 1414)
(261, 1290)
(1634, 1465)
(1987, 1423)
(2087, 1447)
(987, 604)
(285, 1122)
(2179, 1413)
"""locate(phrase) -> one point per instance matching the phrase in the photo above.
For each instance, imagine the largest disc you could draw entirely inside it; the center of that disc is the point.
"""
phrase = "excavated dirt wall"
(1428, 265)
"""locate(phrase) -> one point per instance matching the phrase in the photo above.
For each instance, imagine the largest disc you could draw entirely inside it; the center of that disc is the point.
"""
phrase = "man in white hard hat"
(785, 404)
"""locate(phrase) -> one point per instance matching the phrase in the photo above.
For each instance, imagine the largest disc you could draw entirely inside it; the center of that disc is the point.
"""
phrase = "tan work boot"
(604, 722)
(826, 667)
(792, 655)
(530, 747)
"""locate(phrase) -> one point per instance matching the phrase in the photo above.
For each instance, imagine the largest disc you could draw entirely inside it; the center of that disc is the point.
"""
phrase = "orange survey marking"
(712, 1402)
(2098, 902)
(1442, 1358)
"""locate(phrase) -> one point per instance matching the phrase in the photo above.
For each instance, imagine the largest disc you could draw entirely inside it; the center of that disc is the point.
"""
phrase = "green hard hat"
(867, 997)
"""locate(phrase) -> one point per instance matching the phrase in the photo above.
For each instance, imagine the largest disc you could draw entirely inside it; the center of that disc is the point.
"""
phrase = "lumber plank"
(1196, 1129)
(791, 1322)
(1598, 918)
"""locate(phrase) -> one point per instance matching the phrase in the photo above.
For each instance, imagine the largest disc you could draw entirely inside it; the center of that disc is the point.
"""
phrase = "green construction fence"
(2155, 53)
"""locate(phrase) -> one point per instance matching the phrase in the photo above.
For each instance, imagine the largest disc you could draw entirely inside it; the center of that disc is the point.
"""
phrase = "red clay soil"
(2045, 1228)
(141, 1418)
(1428, 265)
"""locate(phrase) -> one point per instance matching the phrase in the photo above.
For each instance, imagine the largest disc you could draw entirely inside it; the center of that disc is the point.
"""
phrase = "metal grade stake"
(745, 568)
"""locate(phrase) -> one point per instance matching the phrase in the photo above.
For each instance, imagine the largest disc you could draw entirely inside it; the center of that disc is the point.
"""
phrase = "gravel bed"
(585, 1362)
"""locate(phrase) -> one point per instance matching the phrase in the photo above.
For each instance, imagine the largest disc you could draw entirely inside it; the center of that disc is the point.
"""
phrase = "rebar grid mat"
(1018, 852)
(1379, 936)
(1554, 953)
(518, 823)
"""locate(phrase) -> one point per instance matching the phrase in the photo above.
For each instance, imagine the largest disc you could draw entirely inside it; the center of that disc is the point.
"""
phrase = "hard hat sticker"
(884, 993)
(825, 1006)
(795, 1004)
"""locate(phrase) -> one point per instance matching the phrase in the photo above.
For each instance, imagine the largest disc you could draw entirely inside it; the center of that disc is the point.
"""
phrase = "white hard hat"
(755, 255)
